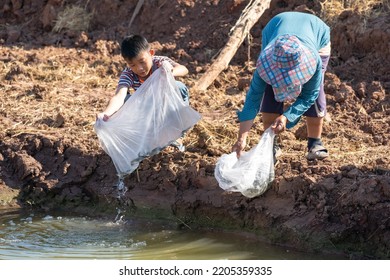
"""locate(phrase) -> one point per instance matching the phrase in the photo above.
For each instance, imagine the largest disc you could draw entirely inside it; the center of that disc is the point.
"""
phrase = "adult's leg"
(315, 119)
(314, 126)
(268, 119)
(270, 108)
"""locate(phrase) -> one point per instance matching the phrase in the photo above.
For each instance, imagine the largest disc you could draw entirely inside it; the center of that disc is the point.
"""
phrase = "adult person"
(290, 69)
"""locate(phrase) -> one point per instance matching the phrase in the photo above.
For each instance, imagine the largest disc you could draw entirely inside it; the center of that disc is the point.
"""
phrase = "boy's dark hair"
(132, 46)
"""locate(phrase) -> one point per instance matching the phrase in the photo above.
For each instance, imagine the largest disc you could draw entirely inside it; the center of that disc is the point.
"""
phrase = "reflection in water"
(36, 236)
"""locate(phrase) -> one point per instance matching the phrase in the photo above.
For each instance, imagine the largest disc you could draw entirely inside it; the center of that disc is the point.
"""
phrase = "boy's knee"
(185, 94)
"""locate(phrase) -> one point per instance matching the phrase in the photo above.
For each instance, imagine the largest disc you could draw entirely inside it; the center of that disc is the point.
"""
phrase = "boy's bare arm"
(115, 103)
(179, 70)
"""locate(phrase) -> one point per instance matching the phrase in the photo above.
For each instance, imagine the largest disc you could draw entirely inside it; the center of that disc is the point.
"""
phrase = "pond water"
(42, 236)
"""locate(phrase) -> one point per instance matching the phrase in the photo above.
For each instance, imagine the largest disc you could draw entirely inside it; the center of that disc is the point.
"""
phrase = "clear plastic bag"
(153, 118)
(252, 173)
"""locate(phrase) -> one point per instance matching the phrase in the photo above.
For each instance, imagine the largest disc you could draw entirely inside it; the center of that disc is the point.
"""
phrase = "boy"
(141, 63)
(290, 68)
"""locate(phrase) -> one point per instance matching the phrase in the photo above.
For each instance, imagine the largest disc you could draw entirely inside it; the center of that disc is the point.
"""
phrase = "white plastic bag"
(252, 173)
(153, 118)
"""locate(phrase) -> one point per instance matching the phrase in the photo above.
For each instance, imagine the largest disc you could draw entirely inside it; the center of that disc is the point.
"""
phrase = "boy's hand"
(169, 66)
(102, 116)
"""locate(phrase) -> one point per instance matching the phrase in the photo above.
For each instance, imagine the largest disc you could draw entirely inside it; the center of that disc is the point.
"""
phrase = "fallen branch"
(136, 11)
(249, 16)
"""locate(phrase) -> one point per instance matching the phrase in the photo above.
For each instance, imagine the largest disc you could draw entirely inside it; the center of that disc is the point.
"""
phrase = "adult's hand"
(279, 124)
(239, 146)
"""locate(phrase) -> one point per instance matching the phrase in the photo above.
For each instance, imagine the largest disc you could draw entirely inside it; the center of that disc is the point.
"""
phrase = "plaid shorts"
(318, 109)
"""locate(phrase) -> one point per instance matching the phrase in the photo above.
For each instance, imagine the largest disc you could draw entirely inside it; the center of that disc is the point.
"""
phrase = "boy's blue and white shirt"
(130, 80)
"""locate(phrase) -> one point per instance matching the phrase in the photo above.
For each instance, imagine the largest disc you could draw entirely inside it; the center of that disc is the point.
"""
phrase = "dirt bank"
(53, 84)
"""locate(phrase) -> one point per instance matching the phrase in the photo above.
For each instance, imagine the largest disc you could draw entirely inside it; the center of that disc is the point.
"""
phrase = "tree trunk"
(249, 16)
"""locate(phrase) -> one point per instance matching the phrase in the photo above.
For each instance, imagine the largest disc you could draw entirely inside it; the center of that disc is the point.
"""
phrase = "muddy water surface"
(43, 236)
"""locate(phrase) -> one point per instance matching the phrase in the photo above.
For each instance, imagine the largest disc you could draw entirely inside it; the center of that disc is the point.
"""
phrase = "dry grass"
(331, 9)
(217, 133)
(73, 18)
(51, 93)
(220, 132)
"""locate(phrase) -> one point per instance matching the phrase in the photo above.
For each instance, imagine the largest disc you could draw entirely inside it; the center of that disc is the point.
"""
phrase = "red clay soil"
(53, 84)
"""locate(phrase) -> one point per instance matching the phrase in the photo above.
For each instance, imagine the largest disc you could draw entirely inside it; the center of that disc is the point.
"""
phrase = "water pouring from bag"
(121, 187)
(121, 191)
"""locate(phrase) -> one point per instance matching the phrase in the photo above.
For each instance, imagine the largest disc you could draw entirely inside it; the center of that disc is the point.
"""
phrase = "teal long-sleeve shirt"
(314, 34)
